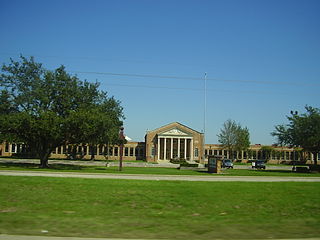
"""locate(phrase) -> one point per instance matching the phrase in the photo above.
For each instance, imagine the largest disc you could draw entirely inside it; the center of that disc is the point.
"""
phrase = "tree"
(46, 109)
(233, 137)
(266, 152)
(302, 131)
(242, 139)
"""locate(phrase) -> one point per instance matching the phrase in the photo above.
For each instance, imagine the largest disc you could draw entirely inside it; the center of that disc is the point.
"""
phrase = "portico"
(174, 144)
(173, 141)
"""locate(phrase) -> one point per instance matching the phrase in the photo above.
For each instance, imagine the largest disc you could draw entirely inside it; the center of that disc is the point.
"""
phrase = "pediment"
(173, 132)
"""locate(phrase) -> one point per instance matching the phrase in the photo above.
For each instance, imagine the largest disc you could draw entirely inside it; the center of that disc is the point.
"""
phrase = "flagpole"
(204, 115)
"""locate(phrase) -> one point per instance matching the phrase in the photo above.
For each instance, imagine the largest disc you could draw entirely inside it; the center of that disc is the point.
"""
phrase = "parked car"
(227, 163)
(258, 164)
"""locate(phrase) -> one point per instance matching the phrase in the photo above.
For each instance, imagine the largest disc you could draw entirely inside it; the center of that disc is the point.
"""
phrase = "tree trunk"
(92, 153)
(44, 156)
(44, 163)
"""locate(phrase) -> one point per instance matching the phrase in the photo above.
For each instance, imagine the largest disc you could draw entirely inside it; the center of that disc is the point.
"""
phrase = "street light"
(294, 113)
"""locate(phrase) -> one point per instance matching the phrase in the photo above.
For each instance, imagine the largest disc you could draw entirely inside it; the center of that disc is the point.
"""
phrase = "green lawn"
(151, 170)
(158, 209)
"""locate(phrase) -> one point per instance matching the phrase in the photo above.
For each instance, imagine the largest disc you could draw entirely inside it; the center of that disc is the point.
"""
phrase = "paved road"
(220, 178)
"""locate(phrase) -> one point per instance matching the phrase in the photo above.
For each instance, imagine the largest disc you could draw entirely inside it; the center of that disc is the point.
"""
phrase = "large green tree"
(46, 109)
(303, 130)
(234, 137)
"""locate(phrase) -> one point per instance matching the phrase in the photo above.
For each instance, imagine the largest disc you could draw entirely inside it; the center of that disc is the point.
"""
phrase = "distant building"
(172, 141)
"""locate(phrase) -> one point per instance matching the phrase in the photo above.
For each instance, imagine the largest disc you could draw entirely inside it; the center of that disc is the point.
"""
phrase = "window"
(69, 149)
(79, 150)
(153, 151)
(206, 152)
(131, 152)
(210, 152)
(93, 150)
(64, 150)
(7, 147)
(84, 150)
(126, 151)
(196, 152)
(13, 148)
(110, 151)
(18, 148)
(101, 150)
(116, 151)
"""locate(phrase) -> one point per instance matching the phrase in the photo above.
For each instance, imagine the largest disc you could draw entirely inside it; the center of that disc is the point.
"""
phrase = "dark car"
(258, 164)
(227, 163)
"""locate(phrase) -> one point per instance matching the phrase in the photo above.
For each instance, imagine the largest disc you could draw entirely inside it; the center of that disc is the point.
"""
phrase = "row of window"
(82, 150)
(138, 151)
(16, 148)
(258, 154)
(100, 150)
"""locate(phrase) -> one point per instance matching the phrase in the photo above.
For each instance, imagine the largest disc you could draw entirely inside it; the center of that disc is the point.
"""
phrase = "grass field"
(158, 209)
(151, 170)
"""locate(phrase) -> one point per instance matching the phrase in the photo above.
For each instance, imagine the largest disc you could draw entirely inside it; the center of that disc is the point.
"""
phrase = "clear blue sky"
(262, 57)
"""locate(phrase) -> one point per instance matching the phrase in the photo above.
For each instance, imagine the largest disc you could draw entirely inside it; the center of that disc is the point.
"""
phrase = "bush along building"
(174, 141)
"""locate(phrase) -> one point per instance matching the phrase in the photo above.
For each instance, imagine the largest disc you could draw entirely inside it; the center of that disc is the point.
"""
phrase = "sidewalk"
(193, 178)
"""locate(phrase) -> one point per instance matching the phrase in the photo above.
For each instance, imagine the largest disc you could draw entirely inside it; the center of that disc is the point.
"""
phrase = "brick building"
(172, 141)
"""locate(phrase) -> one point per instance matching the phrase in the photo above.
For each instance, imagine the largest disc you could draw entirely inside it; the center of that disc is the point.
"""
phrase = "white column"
(178, 147)
(171, 150)
(165, 149)
(185, 149)
(158, 148)
(191, 149)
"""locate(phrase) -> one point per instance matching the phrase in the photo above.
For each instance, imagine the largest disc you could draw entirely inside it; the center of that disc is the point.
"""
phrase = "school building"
(172, 141)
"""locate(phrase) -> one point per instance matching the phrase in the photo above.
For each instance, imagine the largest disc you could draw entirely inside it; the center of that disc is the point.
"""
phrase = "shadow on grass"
(14, 165)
